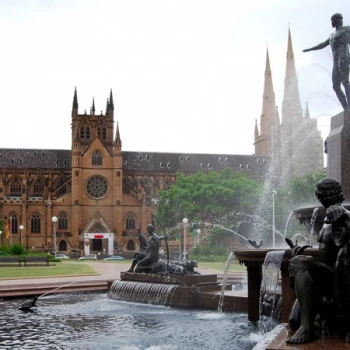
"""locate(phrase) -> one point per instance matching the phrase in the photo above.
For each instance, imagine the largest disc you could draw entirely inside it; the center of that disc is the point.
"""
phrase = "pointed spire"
(75, 99)
(93, 106)
(118, 141)
(111, 103)
(307, 112)
(256, 130)
(269, 116)
(291, 108)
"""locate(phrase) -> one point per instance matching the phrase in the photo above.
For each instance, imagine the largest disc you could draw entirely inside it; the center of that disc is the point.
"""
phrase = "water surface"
(91, 321)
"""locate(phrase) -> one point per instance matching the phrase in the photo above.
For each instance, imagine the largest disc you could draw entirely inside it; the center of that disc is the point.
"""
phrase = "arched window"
(13, 223)
(35, 223)
(97, 158)
(87, 132)
(38, 188)
(130, 222)
(130, 245)
(62, 221)
(16, 187)
(82, 132)
(62, 247)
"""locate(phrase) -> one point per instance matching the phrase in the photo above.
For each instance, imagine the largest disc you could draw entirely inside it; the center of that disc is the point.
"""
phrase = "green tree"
(207, 196)
(301, 189)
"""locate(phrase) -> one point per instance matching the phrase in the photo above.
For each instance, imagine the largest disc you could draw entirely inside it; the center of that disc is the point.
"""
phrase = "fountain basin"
(186, 291)
(253, 259)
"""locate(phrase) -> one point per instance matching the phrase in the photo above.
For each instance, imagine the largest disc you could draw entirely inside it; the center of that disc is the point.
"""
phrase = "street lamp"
(54, 220)
(273, 219)
(0, 236)
(198, 235)
(185, 221)
(21, 228)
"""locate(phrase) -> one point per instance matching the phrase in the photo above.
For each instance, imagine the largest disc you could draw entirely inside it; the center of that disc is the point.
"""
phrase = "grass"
(60, 269)
(70, 268)
(220, 266)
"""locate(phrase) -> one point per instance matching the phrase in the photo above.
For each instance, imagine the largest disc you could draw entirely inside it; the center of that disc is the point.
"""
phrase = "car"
(114, 257)
(62, 256)
(89, 257)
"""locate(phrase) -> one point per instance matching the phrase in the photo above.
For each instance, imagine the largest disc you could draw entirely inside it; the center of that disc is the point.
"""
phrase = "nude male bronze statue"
(339, 42)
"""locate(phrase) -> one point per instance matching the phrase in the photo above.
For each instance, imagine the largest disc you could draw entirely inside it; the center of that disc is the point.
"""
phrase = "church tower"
(295, 145)
(269, 122)
(301, 141)
(96, 174)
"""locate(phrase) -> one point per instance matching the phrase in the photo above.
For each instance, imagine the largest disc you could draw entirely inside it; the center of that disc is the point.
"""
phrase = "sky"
(187, 75)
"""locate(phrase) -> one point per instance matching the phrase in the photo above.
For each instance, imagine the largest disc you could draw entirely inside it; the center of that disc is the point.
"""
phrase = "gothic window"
(97, 158)
(96, 186)
(87, 132)
(35, 223)
(130, 221)
(147, 188)
(62, 221)
(16, 187)
(13, 223)
(131, 245)
(82, 132)
(38, 188)
(62, 247)
(104, 133)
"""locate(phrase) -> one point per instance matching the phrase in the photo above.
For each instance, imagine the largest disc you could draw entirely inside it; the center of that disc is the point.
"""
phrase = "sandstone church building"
(102, 195)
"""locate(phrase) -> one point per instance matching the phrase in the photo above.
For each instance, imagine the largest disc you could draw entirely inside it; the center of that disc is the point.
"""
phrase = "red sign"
(98, 236)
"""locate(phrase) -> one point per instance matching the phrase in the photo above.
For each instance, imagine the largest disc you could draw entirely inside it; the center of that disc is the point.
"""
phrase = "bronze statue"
(339, 42)
(147, 259)
(322, 285)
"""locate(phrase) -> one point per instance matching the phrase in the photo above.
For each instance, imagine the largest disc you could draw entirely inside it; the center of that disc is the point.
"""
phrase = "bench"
(36, 261)
(9, 261)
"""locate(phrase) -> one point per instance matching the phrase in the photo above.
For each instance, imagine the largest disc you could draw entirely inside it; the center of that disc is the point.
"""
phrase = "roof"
(137, 161)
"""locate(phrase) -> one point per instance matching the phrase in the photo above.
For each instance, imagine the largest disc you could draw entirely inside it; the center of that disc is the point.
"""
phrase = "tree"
(207, 196)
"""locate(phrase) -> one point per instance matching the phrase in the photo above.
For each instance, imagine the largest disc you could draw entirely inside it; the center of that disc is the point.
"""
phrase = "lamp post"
(198, 236)
(185, 221)
(273, 219)
(54, 220)
(0, 236)
(21, 228)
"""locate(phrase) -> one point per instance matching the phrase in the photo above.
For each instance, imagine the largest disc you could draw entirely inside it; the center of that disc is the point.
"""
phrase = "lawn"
(66, 268)
(220, 266)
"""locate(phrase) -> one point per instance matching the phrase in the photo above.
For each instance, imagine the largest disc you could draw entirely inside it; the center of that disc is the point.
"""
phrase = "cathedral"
(295, 144)
(96, 197)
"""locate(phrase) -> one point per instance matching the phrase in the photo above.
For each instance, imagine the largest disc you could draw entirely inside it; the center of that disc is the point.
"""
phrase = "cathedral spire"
(118, 141)
(291, 108)
(307, 112)
(75, 100)
(269, 117)
(256, 129)
(111, 103)
(93, 106)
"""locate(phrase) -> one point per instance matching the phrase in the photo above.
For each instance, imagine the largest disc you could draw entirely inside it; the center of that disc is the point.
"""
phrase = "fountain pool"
(91, 321)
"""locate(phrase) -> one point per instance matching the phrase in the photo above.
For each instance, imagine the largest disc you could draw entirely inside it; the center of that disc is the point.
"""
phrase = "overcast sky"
(187, 75)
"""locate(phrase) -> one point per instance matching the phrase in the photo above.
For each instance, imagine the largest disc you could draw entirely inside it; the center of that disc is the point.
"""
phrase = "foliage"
(301, 189)
(207, 196)
(16, 249)
(209, 253)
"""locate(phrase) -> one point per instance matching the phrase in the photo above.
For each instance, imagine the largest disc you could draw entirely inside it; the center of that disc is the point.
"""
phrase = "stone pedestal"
(338, 151)
(253, 259)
